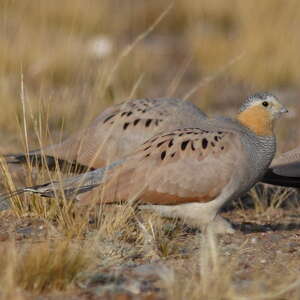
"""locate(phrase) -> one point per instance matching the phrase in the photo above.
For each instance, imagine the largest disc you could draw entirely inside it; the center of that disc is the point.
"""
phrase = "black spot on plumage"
(147, 148)
(148, 122)
(144, 110)
(173, 154)
(108, 118)
(181, 134)
(192, 146)
(213, 144)
(123, 113)
(170, 143)
(163, 155)
(147, 155)
(153, 140)
(129, 113)
(222, 148)
(184, 144)
(204, 143)
(220, 132)
(160, 143)
(216, 138)
(135, 122)
(126, 125)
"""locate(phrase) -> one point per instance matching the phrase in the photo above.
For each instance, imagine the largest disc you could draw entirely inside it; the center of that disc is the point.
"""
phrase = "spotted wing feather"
(186, 165)
(116, 132)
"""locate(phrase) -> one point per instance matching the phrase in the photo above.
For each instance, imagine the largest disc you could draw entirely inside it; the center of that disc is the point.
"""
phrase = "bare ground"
(265, 243)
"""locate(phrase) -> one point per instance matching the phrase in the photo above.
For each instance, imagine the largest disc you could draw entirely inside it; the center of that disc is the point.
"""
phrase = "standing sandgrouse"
(189, 172)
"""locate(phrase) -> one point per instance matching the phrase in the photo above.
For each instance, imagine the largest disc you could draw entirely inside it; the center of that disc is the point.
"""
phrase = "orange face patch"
(258, 120)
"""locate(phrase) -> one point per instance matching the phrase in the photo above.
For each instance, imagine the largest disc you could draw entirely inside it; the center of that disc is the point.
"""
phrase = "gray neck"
(262, 152)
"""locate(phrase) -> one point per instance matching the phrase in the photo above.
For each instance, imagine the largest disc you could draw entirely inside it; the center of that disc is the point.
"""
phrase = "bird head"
(266, 102)
(259, 111)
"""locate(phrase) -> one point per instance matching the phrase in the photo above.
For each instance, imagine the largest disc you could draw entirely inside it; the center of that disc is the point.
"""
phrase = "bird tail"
(37, 159)
(67, 188)
(281, 180)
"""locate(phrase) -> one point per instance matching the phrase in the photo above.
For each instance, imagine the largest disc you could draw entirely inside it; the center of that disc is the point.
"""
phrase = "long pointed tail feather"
(48, 190)
(68, 188)
(37, 159)
(56, 189)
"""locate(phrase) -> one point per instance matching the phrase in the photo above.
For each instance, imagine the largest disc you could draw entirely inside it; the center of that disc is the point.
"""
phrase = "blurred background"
(63, 62)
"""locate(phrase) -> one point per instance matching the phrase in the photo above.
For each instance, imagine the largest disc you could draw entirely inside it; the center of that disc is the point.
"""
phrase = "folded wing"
(186, 165)
(285, 170)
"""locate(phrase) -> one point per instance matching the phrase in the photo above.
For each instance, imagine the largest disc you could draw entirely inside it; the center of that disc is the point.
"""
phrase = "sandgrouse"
(189, 172)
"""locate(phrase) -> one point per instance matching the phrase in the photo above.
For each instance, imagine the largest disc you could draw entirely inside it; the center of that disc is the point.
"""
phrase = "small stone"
(263, 261)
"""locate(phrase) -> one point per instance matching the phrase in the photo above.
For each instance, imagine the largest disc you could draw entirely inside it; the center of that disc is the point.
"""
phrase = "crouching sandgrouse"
(188, 172)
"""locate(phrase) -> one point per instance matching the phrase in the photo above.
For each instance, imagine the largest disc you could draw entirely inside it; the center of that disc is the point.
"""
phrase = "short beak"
(283, 110)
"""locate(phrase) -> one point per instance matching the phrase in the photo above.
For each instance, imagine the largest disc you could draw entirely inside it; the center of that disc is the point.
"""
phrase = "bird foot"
(221, 226)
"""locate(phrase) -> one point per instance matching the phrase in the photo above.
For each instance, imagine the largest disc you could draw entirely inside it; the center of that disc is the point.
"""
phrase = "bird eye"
(265, 103)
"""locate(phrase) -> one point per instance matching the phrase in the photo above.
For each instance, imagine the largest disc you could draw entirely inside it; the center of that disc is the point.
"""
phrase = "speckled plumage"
(115, 133)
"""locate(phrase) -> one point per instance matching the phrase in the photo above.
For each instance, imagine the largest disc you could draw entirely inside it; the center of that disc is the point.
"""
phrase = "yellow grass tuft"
(51, 265)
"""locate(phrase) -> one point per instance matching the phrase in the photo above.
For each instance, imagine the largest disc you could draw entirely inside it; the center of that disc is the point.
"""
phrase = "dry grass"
(268, 197)
(210, 274)
(49, 44)
(266, 31)
(50, 265)
(53, 82)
